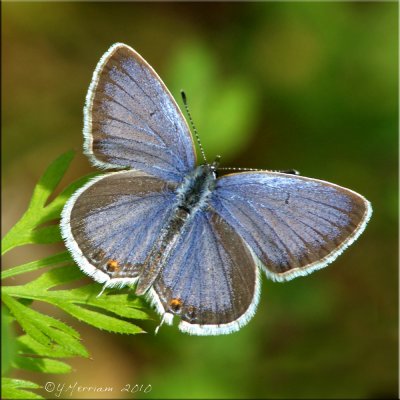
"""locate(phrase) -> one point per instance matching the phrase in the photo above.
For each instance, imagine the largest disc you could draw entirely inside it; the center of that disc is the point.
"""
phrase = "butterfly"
(191, 241)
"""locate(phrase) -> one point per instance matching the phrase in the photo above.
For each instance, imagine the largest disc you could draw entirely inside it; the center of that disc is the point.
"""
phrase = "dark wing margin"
(131, 119)
(293, 224)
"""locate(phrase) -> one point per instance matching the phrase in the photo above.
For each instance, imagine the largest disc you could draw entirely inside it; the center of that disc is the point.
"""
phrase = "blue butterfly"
(190, 241)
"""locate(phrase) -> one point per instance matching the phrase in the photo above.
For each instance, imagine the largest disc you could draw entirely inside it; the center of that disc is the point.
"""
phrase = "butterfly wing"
(111, 223)
(293, 224)
(131, 119)
(210, 280)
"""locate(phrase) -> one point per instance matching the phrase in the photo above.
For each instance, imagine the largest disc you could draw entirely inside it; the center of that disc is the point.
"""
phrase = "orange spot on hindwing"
(175, 304)
(112, 266)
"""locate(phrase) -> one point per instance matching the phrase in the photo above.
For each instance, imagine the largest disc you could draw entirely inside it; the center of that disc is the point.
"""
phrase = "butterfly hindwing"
(210, 280)
(131, 119)
(112, 222)
(293, 224)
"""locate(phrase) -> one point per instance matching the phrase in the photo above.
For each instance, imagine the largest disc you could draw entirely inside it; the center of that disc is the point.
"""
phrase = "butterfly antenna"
(184, 99)
(284, 171)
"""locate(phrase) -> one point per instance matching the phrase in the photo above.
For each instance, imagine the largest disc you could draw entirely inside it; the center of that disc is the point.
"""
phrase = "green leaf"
(49, 181)
(27, 230)
(44, 329)
(123, 305)
(47, 337)
(76, 301)
(45, 235)
(13, 389)
(53, 210)
(44, 365)
(29, 346)
(34, 265)
(48, 280)
(8, 347)
(21, 232)
(100, 320)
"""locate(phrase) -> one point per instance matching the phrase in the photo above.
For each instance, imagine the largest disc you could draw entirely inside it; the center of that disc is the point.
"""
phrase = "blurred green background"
(311, 86)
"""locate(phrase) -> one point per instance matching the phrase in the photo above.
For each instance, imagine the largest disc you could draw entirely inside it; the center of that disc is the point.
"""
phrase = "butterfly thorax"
(196, 188)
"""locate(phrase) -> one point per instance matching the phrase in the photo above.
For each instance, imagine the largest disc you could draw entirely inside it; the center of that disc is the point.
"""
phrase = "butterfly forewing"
(131, 119)
(293, 224)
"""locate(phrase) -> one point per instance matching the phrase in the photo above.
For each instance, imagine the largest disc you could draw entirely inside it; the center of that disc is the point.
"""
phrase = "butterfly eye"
(215, 164)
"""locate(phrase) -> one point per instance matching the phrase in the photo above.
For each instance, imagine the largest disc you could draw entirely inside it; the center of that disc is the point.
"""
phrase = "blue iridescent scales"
(191, 242)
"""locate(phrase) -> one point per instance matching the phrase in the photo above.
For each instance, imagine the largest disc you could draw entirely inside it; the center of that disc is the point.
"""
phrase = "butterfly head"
(214, 166)
(216, 162)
